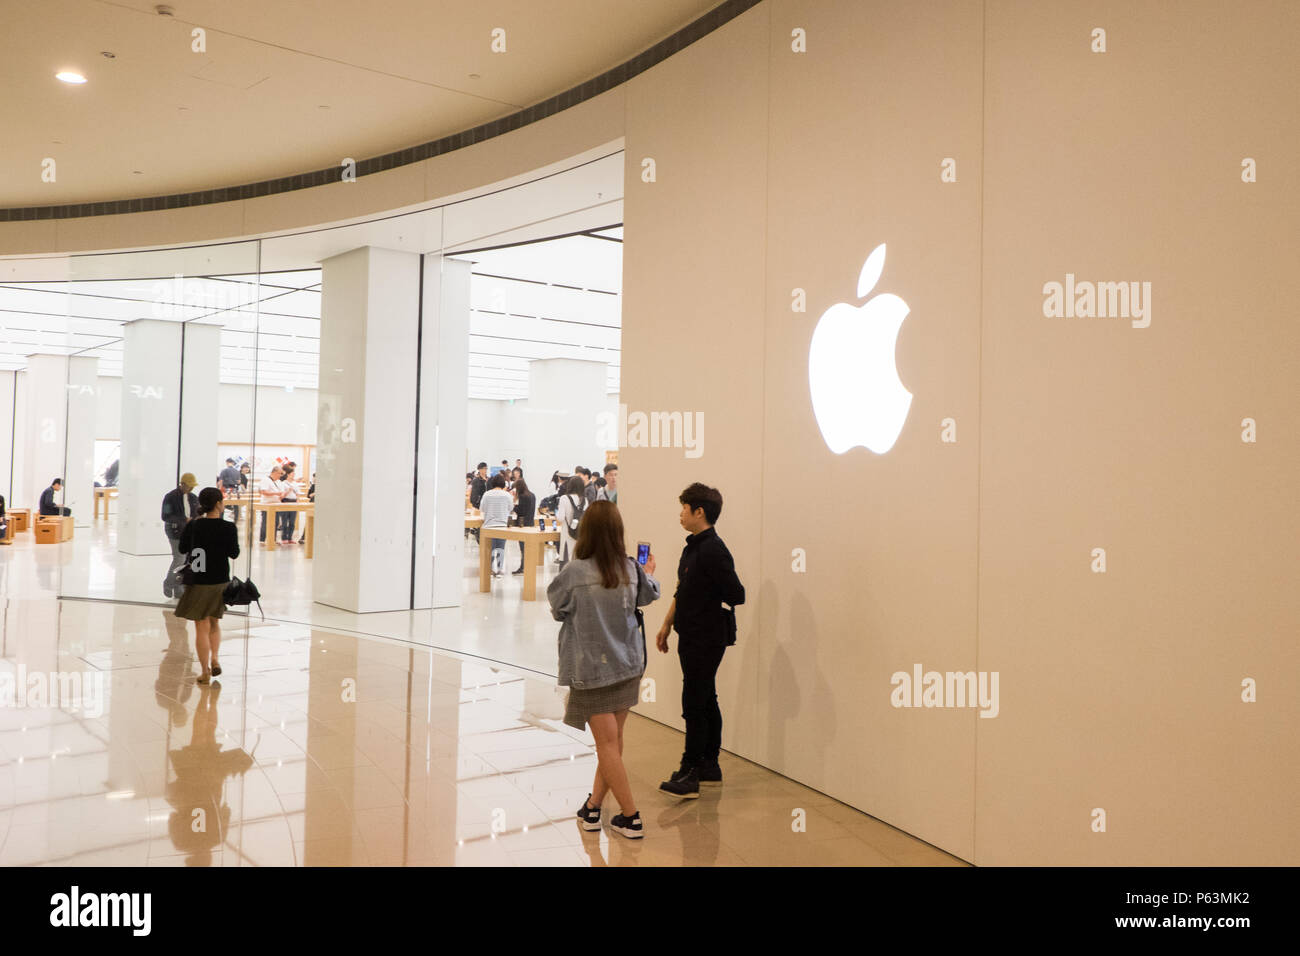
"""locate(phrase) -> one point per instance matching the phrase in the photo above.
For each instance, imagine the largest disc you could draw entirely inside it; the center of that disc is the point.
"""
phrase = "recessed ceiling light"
(67, 76)
(107, 55)
(136, 172)
(474, 76)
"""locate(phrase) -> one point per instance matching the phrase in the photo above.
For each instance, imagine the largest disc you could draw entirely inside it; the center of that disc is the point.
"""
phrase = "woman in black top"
(525, 511)
(208, 542)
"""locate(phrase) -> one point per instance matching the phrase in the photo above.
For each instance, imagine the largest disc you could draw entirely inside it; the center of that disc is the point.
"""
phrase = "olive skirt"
(583, 702)
(202, 601)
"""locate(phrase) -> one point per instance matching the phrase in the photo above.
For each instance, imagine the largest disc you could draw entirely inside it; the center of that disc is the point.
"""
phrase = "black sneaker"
(687, 785)
(588, 816)
(630, 827)
(709, 772)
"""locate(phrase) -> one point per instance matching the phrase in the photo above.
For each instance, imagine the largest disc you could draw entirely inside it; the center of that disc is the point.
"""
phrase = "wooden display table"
(272, 508)
(104, 495)
(533, 541)
(51, 529)
(20, 518)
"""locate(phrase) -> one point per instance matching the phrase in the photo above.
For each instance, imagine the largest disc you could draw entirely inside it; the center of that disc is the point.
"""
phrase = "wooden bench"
(51, 529)
(20, 518)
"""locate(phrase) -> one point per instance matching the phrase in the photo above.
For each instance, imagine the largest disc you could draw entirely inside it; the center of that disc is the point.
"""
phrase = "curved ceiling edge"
(697, 29)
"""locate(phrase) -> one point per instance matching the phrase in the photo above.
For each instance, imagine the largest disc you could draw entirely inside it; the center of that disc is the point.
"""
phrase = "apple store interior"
(868, 316)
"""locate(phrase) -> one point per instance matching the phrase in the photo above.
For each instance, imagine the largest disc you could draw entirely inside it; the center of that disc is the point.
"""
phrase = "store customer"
(208, 542)
(525, 513)
(496, 507)
(271, 489)
(602, 653)
(572, 504)
(48, 507)
(179, 507)
(287, 521)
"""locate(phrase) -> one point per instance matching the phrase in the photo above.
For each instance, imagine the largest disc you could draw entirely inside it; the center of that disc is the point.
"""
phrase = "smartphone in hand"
(642, 552)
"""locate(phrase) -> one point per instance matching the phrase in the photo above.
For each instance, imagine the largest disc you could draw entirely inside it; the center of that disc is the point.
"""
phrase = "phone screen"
(642, 551)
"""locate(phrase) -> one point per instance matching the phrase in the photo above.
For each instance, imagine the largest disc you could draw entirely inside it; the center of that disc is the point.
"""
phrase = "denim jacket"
(600, 643)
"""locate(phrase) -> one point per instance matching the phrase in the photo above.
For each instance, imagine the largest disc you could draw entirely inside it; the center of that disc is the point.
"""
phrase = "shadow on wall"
(783, 696)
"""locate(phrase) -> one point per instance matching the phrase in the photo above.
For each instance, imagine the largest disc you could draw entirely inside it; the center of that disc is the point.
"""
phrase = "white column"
(565, 400)
(444, 389)
(151, 382)
(200, 404)
(79, 466)
(8, 445)
(366, 431)
(59, 433)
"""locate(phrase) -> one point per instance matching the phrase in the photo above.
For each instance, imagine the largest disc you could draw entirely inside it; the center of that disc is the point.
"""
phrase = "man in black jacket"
(48, 507)
(178, 507)
(706, 579)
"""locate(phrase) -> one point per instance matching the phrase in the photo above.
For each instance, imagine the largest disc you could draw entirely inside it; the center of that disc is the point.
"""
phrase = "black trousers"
(700, 660)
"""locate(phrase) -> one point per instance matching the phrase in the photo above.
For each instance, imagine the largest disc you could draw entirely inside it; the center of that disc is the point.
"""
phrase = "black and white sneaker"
(630, 827)
(589, 816)
(686, 786)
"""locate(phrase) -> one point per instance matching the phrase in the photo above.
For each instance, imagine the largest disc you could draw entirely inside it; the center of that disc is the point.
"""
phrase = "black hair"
(209, 498)
(699, 495)
(230, 461)
(481, 464)
(611, 467)
(56, 481)
(498, 480)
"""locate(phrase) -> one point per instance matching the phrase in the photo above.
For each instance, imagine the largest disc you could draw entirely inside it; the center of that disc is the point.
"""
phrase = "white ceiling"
(553, 299)
(283, 87)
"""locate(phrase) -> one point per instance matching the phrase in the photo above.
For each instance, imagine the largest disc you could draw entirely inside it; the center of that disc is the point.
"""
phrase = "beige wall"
(778, 171)
(1119, 690)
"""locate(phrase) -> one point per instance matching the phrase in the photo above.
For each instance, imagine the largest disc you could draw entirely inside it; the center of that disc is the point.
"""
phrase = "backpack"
(576, 519)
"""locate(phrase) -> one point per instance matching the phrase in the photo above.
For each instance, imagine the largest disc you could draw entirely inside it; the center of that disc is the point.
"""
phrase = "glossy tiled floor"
(322, 748)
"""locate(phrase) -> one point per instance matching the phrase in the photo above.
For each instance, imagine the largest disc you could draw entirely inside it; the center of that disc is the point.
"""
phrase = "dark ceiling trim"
(718, 16)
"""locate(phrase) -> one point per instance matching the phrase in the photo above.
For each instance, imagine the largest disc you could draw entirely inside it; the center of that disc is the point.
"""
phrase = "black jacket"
(706, 579)
(48, 507)
(476, 490)
(174, 513)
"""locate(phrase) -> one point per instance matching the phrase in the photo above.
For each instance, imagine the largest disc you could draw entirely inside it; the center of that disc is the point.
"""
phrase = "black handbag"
(241, 594)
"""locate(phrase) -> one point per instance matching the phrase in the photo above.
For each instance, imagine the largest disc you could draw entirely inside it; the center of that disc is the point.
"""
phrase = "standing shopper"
(525, 511)
(602, 652)
(569, 513)
(208, 542)
(496, 506)
(178, 506)
(706, 579)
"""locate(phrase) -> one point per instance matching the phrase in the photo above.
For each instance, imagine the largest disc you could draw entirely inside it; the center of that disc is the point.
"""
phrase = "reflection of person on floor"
(48, 507)
(178, 506)
(171, 690)
(202, 817)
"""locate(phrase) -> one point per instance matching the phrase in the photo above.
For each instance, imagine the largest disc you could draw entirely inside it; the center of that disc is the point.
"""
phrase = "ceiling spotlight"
(107, 55)
(164, 11)
(67, 76)
(473, 76)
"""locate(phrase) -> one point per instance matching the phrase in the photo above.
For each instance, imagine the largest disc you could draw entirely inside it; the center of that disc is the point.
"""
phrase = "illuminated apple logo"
(857, 396)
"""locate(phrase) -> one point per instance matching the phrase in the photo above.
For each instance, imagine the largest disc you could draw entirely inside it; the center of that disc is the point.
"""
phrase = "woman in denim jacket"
(602, 651)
